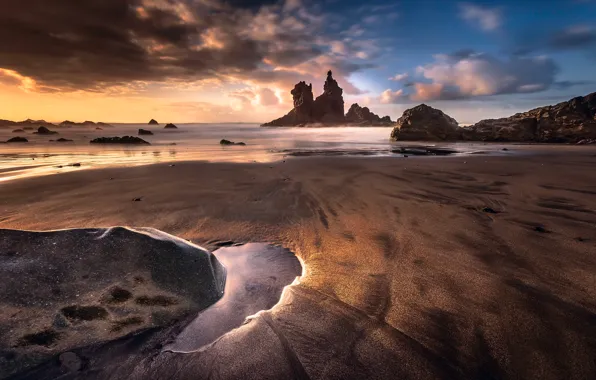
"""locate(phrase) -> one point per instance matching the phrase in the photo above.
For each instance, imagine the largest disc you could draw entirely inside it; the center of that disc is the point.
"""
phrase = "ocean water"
(192, 142)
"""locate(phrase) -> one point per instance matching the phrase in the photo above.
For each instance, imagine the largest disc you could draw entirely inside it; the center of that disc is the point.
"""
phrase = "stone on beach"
(45, 131)
(73, 274)
(144, 132)
(228, 142)
(120, 140)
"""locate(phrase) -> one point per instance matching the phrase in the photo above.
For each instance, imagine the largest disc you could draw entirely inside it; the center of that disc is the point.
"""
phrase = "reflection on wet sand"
(256, 276)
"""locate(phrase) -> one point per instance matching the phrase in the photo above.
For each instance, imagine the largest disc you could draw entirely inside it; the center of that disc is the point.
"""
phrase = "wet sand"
(420, 267)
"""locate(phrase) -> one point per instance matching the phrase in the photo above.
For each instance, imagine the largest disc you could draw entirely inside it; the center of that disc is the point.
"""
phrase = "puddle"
(256, 276)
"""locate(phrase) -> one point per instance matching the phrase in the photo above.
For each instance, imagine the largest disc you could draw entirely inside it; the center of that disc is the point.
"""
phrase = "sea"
(196, 142)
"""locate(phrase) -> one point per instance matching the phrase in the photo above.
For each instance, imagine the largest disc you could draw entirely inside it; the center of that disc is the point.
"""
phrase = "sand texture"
(421, 268)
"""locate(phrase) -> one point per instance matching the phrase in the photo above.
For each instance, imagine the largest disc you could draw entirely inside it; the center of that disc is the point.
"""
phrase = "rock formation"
(119, 140)
(566, 122)
(144, 132)
(228, 142)
(17, 140)
(86, 123)
(44, 131)
(153, 122)
(363, 116)
(170, 126)
(326, 109)
(424, 123)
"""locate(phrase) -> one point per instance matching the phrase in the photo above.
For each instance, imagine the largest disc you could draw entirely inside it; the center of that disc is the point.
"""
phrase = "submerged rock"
(228, 142)
(63, 140)
(17, 140)
(153, 122)
(73, 275)
(144, 132)
(119, 140)
(170, 126)
(45, 131)
(424, 123)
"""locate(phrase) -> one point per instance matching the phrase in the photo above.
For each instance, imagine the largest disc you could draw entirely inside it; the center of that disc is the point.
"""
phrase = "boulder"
(424, 123)
(119, 140)
(170, 126)
(567, 122)
(17, 140)
(364, 117)
(228, 142)
(144, 132)
(73, 288)
(44, 131)
(153, 122)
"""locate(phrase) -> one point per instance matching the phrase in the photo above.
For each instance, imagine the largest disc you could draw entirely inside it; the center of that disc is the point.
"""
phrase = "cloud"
(573, 37)
(464, 75)
(69, 46)
(255, 96)
(392, 97)
(483, 74)
(488, 19)
(400, 77)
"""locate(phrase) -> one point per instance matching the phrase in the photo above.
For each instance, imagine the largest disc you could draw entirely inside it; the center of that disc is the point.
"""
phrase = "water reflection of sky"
(192, 142)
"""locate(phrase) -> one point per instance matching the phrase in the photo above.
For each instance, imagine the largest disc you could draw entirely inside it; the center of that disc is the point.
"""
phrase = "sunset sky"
(234, 60)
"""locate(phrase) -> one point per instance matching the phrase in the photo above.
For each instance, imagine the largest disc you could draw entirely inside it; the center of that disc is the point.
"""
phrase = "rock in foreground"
(76, 287)
(424, 123)
(119, 140)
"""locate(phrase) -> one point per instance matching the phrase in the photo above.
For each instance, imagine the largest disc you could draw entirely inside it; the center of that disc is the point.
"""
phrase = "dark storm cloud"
(574, 38)
(92, 44)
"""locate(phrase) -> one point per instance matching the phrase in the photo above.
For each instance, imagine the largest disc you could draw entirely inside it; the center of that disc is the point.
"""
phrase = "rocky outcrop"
(25, 123)
(424, 123)
(86, 123)
(45, 131)
(567, 122)
(153, 122)
(303, 106)
(17, 140)
(119, 140)
(228, 142)
(144, 132)
(326, 109)
(170, 126)
(364, 117)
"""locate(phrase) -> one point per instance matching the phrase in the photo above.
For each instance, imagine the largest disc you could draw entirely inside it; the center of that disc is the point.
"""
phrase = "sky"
(237, 60)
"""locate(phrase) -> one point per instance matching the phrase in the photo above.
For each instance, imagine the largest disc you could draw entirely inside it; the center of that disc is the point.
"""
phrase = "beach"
(477, 266)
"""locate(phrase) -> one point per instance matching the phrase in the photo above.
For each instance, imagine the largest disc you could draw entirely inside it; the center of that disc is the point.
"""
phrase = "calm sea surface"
(191, 142)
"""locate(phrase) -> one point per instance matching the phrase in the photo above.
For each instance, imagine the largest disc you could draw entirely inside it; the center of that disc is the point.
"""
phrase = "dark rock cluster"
(573, 121)
(326, 109)
(119, 140)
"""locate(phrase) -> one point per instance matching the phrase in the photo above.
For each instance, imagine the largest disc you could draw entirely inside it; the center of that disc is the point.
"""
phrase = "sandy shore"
(406, 274)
